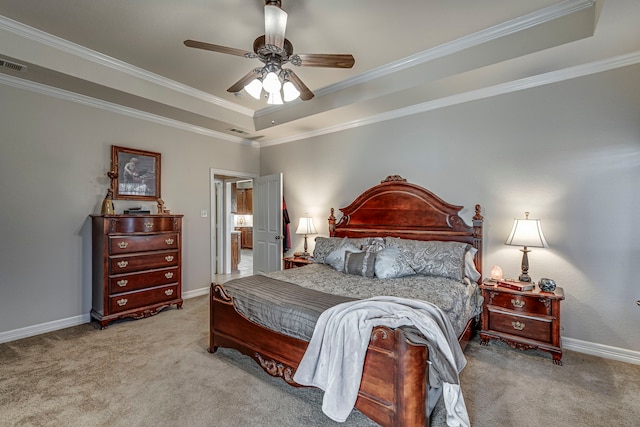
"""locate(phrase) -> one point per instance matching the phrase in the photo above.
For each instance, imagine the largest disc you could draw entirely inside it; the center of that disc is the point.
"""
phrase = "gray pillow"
(324, 246)
(433, 258)
(390, 264)
(360, 263)
(336, 258)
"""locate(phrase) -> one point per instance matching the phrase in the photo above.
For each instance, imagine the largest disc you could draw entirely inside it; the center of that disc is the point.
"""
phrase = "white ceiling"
(407, 53)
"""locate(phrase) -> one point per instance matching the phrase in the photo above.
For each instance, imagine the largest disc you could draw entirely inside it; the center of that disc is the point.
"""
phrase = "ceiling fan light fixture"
(275, 25)
(254, 88)
(275, 99)
(290, 92)
(271, 83)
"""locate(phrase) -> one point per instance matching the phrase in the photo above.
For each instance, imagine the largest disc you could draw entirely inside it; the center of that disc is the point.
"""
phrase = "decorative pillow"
(336, 258)
(359, 263)
(358, 242)
(391, 264)
(470, 270)
(324, 246)
(433, 258)
(376, 244)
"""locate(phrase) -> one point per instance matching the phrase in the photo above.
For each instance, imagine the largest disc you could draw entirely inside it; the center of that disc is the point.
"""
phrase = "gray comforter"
(290, 301)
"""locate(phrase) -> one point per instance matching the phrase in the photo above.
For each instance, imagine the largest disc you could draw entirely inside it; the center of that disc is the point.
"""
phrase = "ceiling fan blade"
(305, 92)
(323, 60)
(275, 25)
(218, 48)
(240, 84)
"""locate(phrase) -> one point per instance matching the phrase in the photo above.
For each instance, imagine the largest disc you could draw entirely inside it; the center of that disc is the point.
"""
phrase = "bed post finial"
(332, 224)
(392, 178)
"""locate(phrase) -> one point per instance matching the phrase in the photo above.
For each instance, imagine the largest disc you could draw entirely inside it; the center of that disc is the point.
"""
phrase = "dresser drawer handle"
(169, 258)
(169, 241)
(517, 325)
(123, 264)
(168, 275)
(168, 292)
(517, 303)
(122, 302)
(122, 283)
(148, 225)
(122, 245)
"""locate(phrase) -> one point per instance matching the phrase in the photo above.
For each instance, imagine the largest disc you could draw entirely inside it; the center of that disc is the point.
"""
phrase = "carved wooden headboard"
(399, 209)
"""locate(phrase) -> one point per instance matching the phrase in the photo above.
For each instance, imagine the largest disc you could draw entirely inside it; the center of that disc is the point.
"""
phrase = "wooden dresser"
(137, 265)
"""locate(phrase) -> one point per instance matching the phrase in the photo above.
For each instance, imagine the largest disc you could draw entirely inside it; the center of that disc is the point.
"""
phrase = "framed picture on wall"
(138, 173)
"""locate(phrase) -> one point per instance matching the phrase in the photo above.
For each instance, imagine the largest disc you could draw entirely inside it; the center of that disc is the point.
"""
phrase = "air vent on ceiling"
(12, 65)
(238, 131)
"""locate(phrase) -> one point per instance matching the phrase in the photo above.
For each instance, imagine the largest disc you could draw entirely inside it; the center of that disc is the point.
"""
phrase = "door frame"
(220, 205)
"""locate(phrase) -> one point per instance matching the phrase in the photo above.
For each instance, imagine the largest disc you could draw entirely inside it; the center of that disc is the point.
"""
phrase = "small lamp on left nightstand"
(528, 233)
(306, 227)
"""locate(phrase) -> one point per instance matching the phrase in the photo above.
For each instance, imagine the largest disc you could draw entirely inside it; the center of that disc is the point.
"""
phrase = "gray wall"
(568, 152)
(53, 164)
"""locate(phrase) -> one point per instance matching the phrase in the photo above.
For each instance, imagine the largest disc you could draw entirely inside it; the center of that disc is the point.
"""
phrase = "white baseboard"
(55, 325)
(601, 350)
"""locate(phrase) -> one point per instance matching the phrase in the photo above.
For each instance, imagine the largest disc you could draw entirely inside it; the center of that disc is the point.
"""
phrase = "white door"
(267, 223)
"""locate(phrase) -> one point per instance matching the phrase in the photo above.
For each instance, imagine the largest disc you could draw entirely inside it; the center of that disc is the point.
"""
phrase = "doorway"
(231, 225)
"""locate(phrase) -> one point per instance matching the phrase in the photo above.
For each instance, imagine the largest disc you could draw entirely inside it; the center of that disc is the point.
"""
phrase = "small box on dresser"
(523, 319)
(137, 265)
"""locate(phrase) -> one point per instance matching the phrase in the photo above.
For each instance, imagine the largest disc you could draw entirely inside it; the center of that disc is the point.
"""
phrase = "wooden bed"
(393, 390)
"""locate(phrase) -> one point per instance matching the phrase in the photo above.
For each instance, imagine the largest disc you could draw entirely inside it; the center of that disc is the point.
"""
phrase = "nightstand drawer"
(521, 303)
(522, 326)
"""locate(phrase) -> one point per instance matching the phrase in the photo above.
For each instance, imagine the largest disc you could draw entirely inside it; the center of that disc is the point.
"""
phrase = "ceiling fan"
(274, 50)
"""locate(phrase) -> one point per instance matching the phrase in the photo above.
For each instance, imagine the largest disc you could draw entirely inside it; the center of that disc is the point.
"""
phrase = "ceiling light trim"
(551, 77)
(66, 95)
(85, 53)
(539, 17)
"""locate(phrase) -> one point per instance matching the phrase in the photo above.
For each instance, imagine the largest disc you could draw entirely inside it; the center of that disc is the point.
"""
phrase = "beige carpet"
(157, 372)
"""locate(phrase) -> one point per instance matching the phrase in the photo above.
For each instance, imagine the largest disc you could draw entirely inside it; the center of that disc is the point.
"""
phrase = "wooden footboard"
(393, 391)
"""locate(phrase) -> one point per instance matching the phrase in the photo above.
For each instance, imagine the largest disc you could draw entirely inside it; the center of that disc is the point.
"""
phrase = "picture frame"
(138, 173)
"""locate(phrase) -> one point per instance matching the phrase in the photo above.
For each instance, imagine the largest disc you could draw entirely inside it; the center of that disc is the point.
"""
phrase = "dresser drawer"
(526, 327)
(521, 303)
(129, 264)
(142, 243)
(133, 300)
(143, 224)
(135, 281)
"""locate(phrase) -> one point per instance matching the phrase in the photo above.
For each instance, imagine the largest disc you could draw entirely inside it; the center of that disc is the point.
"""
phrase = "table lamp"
(527, 233)
(306, 227)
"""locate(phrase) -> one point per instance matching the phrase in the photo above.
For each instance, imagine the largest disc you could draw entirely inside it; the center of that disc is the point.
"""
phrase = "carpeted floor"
(157, 372)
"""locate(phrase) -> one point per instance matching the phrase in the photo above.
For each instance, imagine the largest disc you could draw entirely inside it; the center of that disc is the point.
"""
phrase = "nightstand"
(523, 319)
(292, 262)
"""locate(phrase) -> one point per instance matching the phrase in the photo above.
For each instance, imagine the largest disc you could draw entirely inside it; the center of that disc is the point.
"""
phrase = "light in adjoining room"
(527, 233)
(306, 227)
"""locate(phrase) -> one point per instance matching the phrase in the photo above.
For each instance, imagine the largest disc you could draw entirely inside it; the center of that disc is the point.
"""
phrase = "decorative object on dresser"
(137, 265)
(137, 175)
(496, 273)
(306, 227)
(107, 204)
(516, 285)
(293, 262)
(528, 233)
(523, 319)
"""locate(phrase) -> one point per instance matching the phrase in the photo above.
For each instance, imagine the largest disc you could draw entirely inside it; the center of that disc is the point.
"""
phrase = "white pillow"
(470, 270)
(336, 258)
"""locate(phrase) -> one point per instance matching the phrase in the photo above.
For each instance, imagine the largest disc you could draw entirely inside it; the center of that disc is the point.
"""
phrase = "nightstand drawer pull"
(122, 302)
(168, 292)
(122, 283)
(517, 303)
(168, 275)
(169, 258)
(123, 264)
(518, 326)
(122, 245)
(169, 241)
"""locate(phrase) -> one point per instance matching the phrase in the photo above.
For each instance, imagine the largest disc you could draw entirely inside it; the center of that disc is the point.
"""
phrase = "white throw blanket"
(335, 356)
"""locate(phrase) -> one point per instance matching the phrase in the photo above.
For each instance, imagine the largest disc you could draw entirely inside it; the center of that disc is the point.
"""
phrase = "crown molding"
(115, 108)
(488, 92)
(82, 52)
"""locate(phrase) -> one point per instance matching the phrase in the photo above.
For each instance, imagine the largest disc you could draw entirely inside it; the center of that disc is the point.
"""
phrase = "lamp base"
(524, 278)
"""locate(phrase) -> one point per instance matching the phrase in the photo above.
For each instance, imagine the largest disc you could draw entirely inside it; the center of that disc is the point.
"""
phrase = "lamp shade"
(527, 232)
(305, 226)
